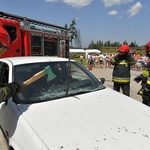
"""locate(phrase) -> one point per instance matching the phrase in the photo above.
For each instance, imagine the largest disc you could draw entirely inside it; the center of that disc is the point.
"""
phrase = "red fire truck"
(31, 37)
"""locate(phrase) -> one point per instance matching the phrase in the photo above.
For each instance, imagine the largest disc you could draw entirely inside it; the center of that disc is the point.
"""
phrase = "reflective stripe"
(121, 80)
(140, 92)
(148, 81)
(126, 63)
(145, 73)
(3, 94)
(118, 78)
(123, 63)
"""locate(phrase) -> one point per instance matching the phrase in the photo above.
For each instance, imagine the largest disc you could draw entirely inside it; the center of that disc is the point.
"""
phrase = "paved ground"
(2, 143)
(107, 74)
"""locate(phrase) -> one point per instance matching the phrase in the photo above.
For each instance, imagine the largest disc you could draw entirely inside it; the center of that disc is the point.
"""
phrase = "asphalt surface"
(2, 143)
(107, 74)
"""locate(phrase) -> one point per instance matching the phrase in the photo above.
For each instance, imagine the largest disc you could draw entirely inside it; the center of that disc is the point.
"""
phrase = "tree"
(72, 31)
(125, 42)
(133, 44)
(78, 42)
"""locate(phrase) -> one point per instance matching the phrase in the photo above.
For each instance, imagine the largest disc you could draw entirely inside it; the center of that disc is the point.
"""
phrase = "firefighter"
(121, 73)
(145, 79)
(6, 90)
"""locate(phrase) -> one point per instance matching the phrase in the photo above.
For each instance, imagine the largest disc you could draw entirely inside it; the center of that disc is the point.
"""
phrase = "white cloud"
(109, 3)
(73, 3)
(113, 12)
(134, 9)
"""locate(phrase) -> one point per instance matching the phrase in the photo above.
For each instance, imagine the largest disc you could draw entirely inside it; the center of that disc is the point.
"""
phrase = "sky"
(97, 20)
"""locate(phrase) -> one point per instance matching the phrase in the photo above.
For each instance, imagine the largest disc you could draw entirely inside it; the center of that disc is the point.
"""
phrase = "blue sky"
(97, 20)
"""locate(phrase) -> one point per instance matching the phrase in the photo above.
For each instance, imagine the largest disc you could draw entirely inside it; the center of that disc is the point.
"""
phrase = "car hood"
(98, 120)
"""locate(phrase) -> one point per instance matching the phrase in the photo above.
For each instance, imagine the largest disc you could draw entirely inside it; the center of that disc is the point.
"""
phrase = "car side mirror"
(102, 80)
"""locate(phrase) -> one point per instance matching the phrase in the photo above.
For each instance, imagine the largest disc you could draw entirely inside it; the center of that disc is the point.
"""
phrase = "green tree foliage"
(100, 44)
(72, 31)
(125, 42)
(133, 44)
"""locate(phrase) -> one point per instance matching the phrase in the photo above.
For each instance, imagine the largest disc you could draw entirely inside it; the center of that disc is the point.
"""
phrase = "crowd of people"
(103, 60)
(99, 60)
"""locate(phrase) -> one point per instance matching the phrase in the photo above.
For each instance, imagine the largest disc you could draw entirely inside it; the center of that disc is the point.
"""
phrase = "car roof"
(32, 59)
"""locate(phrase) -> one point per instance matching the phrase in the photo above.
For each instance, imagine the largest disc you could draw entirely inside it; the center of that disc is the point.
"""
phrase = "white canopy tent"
(92, 51)
(76, 51)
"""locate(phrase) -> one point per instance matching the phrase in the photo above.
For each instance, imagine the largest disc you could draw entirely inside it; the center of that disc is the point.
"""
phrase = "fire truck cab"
(31, 37)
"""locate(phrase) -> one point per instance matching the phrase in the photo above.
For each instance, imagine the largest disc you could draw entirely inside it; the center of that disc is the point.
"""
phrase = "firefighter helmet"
(148, 49)
(4, 38)
(124, 49)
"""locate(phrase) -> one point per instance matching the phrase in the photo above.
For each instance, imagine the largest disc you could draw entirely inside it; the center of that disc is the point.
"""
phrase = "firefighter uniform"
(121, 73)
(145, 78)
(10, 89)
(145, 83)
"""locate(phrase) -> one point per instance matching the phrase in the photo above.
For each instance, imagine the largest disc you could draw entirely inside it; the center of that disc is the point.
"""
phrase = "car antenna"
(68, 76)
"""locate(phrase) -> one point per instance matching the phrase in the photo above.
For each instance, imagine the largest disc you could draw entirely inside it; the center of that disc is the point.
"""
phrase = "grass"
(78, 60)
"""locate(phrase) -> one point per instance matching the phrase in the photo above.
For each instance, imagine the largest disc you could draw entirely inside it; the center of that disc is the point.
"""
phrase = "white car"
(67, 108)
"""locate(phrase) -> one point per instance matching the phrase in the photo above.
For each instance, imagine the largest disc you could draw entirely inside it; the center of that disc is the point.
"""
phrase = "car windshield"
(57, 80)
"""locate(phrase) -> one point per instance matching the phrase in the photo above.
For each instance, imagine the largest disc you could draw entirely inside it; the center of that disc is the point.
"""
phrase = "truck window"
(36, 45)
(50, 48)
(37, 42)
(11, 31)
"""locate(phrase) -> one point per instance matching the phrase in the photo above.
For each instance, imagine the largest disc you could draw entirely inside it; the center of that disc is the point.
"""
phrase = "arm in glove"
(130, 59)
(138, 78)
(146, 90)
(9, 90)
(115, 60)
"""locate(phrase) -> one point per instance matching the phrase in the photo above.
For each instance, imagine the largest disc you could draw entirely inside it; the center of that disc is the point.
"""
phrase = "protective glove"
(15, 87)
(129, 57)
(138, 78)
(9, 90)
(146, 90)
(117, 58)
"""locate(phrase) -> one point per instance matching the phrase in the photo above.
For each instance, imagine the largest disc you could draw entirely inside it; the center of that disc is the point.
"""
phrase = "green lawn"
(83, 61)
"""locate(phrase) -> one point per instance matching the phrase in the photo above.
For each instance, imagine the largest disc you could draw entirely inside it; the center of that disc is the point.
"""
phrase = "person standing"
(10, 89)
(101, 56)
(145, 79)
(121, 71)
(91, 63)
(81, 58)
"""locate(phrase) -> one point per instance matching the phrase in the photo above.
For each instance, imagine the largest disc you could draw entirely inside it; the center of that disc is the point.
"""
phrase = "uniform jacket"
(145, 78)
(122, 65)
(145, 75)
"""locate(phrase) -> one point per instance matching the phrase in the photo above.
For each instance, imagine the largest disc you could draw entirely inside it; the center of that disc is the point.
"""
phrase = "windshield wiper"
(68, 77)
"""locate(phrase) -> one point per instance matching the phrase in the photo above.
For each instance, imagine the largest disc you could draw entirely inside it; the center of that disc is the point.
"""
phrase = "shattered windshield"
(53, 80)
